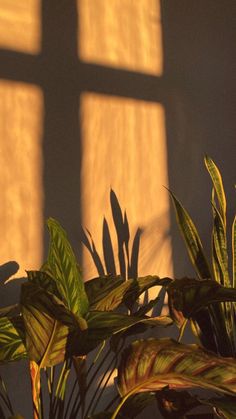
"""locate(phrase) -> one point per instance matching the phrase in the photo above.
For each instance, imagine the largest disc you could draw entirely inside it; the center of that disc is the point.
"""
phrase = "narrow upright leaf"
(64, 268)
(218, 185)
(219, 244)
(192, 239)
(234, 251)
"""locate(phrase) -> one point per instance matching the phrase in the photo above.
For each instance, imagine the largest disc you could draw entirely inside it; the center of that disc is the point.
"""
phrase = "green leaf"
(45, 281)
(153, 364)
(234, 251)
(98, 288)
(192, 239)
(104, 324)
(64, 269)
(50, 327)
(129, 290)
(218, 186)
(189, 296)
(12, 346)
(220, 254)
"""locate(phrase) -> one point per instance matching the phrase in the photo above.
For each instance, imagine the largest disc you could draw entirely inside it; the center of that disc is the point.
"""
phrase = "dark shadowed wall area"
(184, 106)
(200, 63)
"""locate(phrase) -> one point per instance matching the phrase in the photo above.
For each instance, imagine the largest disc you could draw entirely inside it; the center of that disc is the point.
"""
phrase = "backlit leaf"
(129, 290)
(49, 326)
(191, 295)
(234, 251)
(64, 269)
(218, 185)
(12, 346)
(152, 364)
(192, 239)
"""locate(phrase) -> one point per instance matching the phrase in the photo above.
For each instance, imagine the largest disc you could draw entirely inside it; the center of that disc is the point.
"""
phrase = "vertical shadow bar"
(61, 146)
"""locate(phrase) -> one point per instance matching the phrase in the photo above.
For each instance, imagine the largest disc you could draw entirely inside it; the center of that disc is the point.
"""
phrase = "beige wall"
(122, 94)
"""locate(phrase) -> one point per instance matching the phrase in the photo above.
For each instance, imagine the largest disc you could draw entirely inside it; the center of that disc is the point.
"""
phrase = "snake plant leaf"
(98, 288)
(12, 339)
(189, 296)
(219, 251)
(64, 269)
(234, 251)
(192, 239)
(50, 327)
(218, 186)
(153, 364)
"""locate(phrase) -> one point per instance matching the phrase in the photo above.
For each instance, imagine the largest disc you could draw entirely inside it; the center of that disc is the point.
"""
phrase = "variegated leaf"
(129, 290)
(12, 337)
(64, 269)
(50, 327)
(192, 240)
(153, 364)
(234, 251)
(189, 296)
(218, 185)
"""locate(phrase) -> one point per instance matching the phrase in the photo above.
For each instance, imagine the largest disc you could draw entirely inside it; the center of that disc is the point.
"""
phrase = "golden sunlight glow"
(20, 25)
(122, 34)
(21, 175)
(124, 148)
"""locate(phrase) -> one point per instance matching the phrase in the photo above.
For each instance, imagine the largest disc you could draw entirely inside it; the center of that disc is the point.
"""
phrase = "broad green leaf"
(129, 290)
(50, 328)
(17, 416)
(191, 295)
(45, 281)
(64, 269)
(104, 324)
(234, 251)
(220, 254)
(192, 239)
(12, 346)
(218, 186)
(98, 288)
(153, 364)
(136, 404)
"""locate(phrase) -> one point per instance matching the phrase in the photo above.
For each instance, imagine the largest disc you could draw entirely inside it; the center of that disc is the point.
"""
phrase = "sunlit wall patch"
(21, 189)
(123, 34)
(124, 148)
(20, 25)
